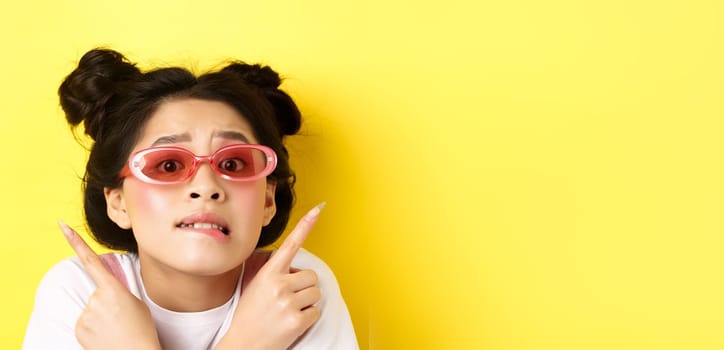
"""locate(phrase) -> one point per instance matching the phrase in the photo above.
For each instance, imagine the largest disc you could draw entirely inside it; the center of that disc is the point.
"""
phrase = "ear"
(270, 205)
(116, 206)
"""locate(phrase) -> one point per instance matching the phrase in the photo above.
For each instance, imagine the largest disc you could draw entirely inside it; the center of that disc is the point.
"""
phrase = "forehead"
(197, 118)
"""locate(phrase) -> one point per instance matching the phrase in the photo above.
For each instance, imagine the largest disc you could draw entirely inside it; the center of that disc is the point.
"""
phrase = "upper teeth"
(203, 225)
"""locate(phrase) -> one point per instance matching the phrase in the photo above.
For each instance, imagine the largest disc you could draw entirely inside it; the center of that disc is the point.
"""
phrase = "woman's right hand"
(278, 305)
(113, 317)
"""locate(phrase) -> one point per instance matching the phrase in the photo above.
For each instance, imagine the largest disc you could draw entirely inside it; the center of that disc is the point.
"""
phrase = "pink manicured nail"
(67, 231)
(316, 210)
(314, 213)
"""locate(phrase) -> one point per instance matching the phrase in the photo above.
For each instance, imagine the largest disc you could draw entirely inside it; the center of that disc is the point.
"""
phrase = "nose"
(205, 185)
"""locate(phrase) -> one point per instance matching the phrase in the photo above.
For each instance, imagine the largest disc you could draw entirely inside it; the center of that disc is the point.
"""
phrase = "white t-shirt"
(64, 291)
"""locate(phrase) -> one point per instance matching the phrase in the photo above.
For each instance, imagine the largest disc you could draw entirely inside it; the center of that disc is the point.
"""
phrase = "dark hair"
(114, 99)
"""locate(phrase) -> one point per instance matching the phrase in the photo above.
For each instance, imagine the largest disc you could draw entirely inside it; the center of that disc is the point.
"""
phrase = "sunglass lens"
(240, 162)
(166, 165)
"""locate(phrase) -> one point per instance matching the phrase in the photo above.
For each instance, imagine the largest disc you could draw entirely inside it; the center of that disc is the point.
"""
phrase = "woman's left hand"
(279, 304)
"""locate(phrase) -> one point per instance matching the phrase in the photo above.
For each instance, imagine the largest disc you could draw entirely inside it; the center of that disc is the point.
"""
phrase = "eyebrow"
(171, 139)
(231, 135)
(185, 137)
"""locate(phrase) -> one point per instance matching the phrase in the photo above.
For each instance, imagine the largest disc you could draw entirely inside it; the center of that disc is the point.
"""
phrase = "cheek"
(250, 198)
(146, 199)
(247, 202)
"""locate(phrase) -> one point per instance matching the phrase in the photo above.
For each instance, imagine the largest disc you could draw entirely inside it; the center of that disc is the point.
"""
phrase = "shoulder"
(66, 275)
(334, 329)
(70, 273)
(68, 281)
(305, 260)
(60, 298)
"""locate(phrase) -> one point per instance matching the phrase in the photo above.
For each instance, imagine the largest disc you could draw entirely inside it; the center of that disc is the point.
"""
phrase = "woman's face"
(171, 222)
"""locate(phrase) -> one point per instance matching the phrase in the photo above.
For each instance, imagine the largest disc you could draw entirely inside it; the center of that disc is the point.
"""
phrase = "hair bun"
(288, 118)
(86, 92)
(255, 74)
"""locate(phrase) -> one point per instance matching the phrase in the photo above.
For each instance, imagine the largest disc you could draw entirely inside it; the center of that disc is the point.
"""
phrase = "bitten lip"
(206, 218)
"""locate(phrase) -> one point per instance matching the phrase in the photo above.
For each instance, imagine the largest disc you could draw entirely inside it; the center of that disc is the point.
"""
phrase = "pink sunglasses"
(171, 165)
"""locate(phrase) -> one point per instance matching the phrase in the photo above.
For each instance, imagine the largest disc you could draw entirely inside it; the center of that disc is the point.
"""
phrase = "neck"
(179, 291)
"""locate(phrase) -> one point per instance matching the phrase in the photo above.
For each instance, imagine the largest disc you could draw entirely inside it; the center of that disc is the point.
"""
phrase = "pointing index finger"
(90, 260)
(282, 258)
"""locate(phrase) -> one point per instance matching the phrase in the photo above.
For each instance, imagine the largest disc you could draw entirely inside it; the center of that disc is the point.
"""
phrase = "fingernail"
(65, 229)
(316, 210)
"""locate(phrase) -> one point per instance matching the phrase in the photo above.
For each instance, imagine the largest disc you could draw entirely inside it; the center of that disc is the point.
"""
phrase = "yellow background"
(499, 174)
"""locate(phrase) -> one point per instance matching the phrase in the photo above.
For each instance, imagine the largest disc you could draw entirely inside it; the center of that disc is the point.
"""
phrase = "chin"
(206, 267)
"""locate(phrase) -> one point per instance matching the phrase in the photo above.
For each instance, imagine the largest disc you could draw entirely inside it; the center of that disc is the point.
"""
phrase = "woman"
(188, 175)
